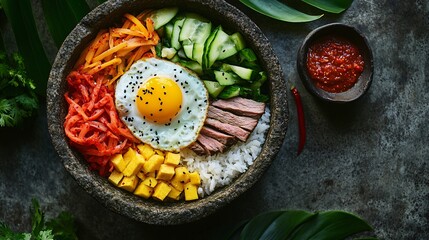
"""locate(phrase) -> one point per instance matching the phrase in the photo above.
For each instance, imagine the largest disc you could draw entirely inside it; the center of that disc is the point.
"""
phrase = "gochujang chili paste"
(334, 64)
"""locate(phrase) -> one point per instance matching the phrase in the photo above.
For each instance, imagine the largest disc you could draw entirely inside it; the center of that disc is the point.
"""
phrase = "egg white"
(184, 128)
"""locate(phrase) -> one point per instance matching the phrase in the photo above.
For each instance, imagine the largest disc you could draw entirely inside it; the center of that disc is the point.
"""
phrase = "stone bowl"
(354, 36)
(118, 200)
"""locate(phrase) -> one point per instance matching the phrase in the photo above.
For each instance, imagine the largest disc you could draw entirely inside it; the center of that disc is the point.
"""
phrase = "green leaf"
(332, 6)
(283, 226)
(63, 227)
(1, 40)
(62, 16)
(44, 235)
(37, 219)
(256, 227)
(20, 16)
(79, 8)
(302, 225)
(330, 225)
(279, 11)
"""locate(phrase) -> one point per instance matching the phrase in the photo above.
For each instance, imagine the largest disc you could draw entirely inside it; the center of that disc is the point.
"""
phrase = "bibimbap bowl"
(124, 202)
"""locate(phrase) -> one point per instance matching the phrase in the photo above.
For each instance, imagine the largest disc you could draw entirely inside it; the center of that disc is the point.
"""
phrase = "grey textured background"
(370, 157)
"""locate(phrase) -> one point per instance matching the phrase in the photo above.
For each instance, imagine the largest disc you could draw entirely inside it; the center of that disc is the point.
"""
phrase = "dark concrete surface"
(370, 157)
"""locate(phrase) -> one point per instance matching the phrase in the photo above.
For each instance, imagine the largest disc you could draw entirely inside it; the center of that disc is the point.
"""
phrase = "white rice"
(221, 169)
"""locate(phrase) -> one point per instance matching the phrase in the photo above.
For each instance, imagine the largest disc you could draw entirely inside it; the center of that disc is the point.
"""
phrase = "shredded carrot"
(114, 50)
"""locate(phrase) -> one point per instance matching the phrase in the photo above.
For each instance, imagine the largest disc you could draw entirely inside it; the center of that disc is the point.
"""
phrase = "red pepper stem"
(301, 119)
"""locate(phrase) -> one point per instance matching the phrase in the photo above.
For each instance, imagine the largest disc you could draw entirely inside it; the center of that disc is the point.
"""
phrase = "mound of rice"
(220, 169)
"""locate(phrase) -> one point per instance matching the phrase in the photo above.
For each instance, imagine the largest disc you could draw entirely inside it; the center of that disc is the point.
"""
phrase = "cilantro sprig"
(17, 97)
(60, 228)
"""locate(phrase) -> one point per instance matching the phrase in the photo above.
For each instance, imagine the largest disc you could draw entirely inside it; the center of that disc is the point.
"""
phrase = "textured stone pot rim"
(149, 211)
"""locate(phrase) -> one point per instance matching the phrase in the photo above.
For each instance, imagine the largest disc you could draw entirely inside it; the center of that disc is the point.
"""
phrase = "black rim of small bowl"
(127, 204)
(356, 37)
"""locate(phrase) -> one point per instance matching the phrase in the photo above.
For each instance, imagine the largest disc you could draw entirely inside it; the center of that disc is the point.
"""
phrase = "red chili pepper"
(301, 120)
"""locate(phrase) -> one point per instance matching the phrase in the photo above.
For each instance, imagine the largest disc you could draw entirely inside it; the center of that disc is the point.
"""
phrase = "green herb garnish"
(59, 228)
(17, 97)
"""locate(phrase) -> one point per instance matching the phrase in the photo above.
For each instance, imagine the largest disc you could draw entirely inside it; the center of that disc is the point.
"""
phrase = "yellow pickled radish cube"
(159, 152)
(174, 193)
(146, 150)
(141, 175)
(166, 172)
(150, 182)
(151, 174)
(177, 184)
(115, 177)
(129, 155)
(191, 192)
(129, 183)
(134, 165)
(161, 191)
(143, 190)
(182, 174)
(118, 162)
(172, 158)
(194, 178)
(153, 163)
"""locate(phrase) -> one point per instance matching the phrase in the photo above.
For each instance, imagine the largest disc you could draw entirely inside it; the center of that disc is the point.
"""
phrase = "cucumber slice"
(207, 45)
(178, 24)
(260, 81)
(242, 72)
(221, 47)
(230, 92)
(192, 65)
(226, 79)
(168, 30)
(162, 16)
(198, 52)
(175, 59)
(181, 53)
(214, 88)
(238, 40)
(248, 55)
(188, 50)
(195, 30)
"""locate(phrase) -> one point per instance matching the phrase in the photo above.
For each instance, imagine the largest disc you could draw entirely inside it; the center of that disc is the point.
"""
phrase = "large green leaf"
(1, 43)
(332, 6)
(256, 227)
(332, 225)
(301, 225)
(284, 225)
(62, 16)
(79, 8)
(20, 16)
(101, 1)
(279, 11)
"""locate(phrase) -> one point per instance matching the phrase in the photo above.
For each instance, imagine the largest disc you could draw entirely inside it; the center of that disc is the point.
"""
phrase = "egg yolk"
(159, 99)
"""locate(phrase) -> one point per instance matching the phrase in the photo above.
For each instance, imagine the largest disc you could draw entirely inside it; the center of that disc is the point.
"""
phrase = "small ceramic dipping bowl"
(353, 36)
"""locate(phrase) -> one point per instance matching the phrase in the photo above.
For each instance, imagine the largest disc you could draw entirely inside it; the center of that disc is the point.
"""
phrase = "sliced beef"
(235, 131)
(211, 145)
(197, 148)
(223, 138)
(241, 106)
(246, 123)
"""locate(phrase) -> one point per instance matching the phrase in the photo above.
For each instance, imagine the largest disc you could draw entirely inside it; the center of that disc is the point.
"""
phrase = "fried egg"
(162, 103)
